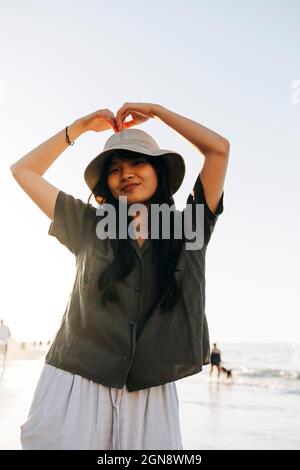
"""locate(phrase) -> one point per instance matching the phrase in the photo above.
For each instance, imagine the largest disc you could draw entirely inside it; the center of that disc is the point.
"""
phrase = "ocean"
(258, 409)
(275, 366)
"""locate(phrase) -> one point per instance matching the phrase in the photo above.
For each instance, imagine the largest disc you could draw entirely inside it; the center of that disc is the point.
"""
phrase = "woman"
(135, 321)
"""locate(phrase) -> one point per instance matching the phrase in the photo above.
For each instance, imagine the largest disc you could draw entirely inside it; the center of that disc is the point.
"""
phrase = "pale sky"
(232, 66)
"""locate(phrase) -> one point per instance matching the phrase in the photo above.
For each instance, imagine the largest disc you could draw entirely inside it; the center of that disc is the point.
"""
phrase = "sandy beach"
(245, 414)
(18, 351)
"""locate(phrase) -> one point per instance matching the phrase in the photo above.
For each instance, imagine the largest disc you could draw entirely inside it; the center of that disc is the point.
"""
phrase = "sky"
(232, 66)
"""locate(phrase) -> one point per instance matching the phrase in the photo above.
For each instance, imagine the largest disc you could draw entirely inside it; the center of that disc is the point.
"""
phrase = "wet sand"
(213, 415)
(17, 383)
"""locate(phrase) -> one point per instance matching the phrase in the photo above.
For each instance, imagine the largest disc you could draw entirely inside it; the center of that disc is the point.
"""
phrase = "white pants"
(71, 412)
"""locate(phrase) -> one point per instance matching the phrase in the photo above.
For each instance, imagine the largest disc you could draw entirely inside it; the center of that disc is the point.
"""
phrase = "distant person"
(215, 360)
(4, 335)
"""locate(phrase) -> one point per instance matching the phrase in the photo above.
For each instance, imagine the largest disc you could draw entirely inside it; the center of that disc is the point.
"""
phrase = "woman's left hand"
(140, 113)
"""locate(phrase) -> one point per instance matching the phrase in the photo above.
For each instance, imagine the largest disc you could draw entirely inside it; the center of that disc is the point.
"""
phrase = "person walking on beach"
(135, 320)
(4, 335)
(215, 360)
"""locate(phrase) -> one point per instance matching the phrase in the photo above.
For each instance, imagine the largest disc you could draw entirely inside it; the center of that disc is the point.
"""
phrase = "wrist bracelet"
(70, 142)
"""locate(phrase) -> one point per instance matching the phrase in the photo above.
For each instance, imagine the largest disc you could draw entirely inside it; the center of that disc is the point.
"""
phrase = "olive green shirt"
(119, 342)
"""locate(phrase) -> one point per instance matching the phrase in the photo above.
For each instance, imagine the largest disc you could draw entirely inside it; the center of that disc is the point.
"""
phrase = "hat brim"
(176, 166)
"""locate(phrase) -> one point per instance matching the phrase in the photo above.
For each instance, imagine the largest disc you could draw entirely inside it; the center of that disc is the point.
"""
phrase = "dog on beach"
(227, 372)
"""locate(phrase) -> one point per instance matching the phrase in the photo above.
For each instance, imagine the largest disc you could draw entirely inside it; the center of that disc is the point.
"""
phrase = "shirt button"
(131, 323)
(126, 358)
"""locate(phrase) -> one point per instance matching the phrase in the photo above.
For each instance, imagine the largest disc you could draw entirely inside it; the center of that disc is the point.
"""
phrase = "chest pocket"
(91, 261)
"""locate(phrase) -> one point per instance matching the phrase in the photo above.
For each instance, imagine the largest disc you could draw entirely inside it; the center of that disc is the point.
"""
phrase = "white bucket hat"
(136, 140)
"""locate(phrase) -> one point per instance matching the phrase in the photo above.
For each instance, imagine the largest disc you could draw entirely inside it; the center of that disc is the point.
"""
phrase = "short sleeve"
(197, 196)
(68, 221)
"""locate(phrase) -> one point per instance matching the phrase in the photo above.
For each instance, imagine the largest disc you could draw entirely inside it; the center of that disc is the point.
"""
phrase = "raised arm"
(213, 146)
(29, 170)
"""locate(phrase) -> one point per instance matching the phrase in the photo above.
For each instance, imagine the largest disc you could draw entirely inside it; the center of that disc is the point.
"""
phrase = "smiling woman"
(128, 173)
(135, 320)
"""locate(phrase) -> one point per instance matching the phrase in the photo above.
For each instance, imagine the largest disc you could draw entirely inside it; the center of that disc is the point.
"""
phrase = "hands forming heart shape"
(104, 119)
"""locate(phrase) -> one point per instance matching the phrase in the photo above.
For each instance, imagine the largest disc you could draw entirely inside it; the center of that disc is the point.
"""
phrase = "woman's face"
(135, 170)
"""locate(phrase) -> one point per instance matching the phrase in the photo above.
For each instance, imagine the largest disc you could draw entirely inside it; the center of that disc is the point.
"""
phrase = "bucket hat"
(135, 140)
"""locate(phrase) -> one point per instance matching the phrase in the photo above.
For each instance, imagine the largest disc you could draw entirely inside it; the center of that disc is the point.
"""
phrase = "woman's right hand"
(98, 121)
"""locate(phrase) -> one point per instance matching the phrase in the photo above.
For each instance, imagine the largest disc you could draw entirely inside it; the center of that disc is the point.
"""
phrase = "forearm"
(43, 156)
(203, 138)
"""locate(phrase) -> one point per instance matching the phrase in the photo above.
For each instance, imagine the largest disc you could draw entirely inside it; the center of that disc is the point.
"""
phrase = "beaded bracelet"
(70, 142)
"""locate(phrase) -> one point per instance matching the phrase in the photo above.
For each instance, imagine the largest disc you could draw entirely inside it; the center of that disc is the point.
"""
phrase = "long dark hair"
(166, 251)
